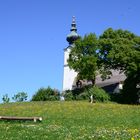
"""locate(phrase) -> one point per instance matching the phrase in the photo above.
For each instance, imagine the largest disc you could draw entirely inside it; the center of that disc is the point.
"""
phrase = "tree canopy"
(83, 57)
(20, 97)
(120, 49)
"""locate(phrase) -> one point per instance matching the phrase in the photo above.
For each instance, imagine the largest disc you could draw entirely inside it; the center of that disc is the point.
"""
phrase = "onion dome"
(73, 34)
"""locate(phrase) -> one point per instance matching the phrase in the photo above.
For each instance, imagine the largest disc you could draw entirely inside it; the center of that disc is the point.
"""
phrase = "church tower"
(69, 74)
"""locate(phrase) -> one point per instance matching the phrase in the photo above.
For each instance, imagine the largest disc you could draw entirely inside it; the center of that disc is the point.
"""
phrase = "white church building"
(69, 75)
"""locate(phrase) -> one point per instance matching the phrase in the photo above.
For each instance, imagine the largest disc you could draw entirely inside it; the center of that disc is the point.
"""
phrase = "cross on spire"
(73, 19)
(73, 25)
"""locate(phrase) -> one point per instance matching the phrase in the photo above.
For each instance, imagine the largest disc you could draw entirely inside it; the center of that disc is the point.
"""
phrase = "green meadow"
(73, 120)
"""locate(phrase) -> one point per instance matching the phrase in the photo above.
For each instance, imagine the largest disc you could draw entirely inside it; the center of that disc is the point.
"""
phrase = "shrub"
(46, 94)
(20, 97)
(98, 94)
(84, 94)
(117, 97)
(76, 94)
(68, 95)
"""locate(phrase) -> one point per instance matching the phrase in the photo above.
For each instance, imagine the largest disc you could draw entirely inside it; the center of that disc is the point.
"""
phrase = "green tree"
(46, 94)
(5, 98)
(114, 49)
(20, 97)
(120, 49)
(83, 57)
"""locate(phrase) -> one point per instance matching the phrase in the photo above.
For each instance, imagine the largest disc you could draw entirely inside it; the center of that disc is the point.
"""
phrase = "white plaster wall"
(66, 55)
(69, 74)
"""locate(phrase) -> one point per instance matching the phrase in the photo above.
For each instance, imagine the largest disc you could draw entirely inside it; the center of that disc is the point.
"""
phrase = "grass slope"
(71, 121)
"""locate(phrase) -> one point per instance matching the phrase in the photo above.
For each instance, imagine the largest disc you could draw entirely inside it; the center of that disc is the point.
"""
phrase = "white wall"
(69, 74)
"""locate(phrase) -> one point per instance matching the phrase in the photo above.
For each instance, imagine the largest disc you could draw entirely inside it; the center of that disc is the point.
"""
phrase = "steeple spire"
(73, 35)
(73, 25)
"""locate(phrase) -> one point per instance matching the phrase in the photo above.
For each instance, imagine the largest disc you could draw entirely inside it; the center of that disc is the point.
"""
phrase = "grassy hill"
(71, 121)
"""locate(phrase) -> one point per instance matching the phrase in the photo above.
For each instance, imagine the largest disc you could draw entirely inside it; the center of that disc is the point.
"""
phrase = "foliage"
(98, 94)
(68, 95)
(131, 94)
(117, 97)
(120, 49)
(83, 58)
(84, 93)
(76, 94)
(46, 94)
(71, 120)
(114, 49)
(5, 98)
(20, 97)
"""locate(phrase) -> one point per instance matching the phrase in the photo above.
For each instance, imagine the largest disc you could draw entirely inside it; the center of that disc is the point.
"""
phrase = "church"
(69, 74)
(114, 84)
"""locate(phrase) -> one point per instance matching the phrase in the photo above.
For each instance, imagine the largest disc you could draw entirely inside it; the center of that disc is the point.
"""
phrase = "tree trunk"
(93, 80)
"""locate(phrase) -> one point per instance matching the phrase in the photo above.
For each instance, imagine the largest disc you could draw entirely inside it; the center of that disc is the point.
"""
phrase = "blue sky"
(33, 36)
